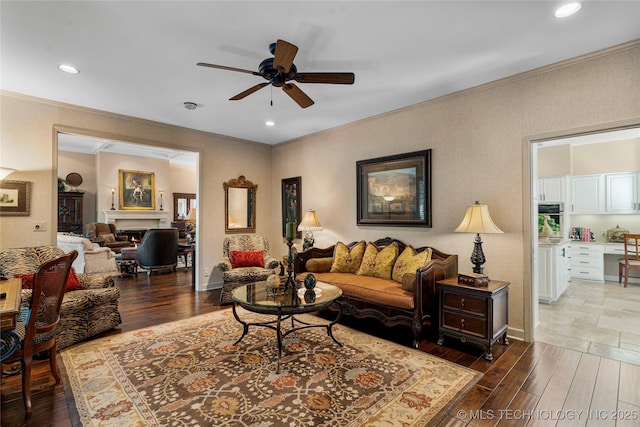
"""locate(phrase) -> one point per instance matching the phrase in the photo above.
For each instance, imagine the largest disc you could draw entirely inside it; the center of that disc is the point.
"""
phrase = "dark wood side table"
(475, 314)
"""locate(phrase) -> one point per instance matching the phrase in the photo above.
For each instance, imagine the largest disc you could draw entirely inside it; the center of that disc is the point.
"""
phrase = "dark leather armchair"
(106, 235)
(158, 249)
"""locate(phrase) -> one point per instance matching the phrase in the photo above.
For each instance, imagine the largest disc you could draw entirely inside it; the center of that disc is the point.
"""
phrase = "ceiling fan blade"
(333, 78)
(222, 67)
(285, 52)
(297, 95)
(249, 91)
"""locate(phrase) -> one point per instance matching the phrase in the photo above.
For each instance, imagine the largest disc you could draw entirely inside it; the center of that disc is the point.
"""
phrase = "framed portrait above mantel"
(15, 198)
(395, 190)
(137, 190)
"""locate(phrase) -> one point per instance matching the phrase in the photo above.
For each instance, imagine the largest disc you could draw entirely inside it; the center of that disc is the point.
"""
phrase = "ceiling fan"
(280, 70)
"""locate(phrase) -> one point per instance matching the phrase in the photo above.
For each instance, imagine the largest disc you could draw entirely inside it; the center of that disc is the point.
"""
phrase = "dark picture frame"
(137, 190)
(395, 190)
(291, 203)
(15, 198)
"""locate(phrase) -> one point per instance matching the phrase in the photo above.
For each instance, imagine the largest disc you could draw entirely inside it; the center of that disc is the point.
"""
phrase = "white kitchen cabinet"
(623, 193)
(552, 190)
(554, 271)
(587, 262)
(587, 194)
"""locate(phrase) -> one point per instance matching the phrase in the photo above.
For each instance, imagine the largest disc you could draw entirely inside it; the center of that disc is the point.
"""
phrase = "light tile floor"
(597, 318)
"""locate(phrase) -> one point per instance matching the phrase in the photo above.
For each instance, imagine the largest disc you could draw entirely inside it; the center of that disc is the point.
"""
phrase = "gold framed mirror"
(240, 205)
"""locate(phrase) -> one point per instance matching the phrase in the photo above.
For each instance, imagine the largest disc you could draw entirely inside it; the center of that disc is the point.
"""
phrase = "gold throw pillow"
(409, 261)
(347, 260)
(378, 263)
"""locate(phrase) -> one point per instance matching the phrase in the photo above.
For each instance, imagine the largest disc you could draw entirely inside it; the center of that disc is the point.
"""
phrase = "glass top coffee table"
(257, 297)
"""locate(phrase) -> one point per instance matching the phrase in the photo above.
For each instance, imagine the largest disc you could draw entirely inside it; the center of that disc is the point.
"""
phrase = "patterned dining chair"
(37, 332)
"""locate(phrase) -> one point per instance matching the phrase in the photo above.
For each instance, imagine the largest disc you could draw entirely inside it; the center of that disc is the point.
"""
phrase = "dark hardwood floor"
(526, 384)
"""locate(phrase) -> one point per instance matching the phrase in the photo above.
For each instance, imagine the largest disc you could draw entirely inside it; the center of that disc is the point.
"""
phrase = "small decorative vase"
(309, 296)
(310, 281)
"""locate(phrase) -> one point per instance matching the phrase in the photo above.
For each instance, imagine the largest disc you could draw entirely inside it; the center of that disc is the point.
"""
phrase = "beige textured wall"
(613, 157)
(554, 161)
(479, 147)
(183, 180)
(478, 141)
(606, 157)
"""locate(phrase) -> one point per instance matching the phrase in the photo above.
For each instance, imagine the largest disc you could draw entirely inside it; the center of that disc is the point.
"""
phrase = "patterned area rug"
(189, 373)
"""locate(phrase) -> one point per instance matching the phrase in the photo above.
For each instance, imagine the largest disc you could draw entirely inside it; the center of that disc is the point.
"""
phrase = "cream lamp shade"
(192, 216)
(5, 172)
(309, 223)
(477, 220)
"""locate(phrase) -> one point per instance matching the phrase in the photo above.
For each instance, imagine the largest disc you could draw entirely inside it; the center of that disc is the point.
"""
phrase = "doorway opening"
(571, 313)
(100, 159)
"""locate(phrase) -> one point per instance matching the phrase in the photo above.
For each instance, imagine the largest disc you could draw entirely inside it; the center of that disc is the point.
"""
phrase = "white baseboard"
(516, 334)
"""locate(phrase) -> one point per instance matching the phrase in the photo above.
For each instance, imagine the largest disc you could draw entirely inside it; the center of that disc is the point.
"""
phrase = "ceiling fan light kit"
(280, 70)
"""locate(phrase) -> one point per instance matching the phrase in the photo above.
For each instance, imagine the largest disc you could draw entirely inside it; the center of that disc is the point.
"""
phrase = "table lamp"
(191, 222)
(310, 223)
(477, 220)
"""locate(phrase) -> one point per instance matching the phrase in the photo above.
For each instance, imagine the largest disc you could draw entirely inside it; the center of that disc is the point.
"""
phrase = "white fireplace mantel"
(130, 219)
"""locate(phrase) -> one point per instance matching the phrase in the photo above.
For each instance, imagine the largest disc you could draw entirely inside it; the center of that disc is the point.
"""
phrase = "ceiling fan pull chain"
(271, 95)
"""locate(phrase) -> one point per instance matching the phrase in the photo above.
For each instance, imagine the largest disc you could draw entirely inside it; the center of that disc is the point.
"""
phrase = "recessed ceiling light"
(568, 9)
(68, 69)
(270, 123)
(190, 105)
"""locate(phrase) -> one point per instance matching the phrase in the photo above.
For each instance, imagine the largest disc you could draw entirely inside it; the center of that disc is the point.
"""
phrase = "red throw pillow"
(246, 259)
(72, 281)
(27, 280)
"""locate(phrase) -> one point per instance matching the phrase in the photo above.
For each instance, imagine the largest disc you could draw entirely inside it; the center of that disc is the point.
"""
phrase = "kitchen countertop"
(597, 242)
(545, 242)
(579, 242)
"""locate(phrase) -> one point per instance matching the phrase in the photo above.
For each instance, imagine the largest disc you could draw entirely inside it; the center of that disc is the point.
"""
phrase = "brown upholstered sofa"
(391, 302)
(85, 312)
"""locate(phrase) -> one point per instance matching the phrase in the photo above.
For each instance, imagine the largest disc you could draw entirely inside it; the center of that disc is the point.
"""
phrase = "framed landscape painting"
(15, 198)
(137, 190)
(395, 190)
(291, 203)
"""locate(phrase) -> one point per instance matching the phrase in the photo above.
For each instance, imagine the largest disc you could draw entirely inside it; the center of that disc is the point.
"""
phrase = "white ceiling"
(139, 58)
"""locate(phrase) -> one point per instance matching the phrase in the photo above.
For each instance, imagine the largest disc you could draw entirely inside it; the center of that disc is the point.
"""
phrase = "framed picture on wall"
(15, 198)
(291, 203)
(395, 190)
(137, 190)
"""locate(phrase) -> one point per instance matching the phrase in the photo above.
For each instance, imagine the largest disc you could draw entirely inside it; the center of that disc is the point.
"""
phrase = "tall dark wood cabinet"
(70, 212)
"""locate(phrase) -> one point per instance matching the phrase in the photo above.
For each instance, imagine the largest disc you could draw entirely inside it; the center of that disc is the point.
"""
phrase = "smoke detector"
(190, 105)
